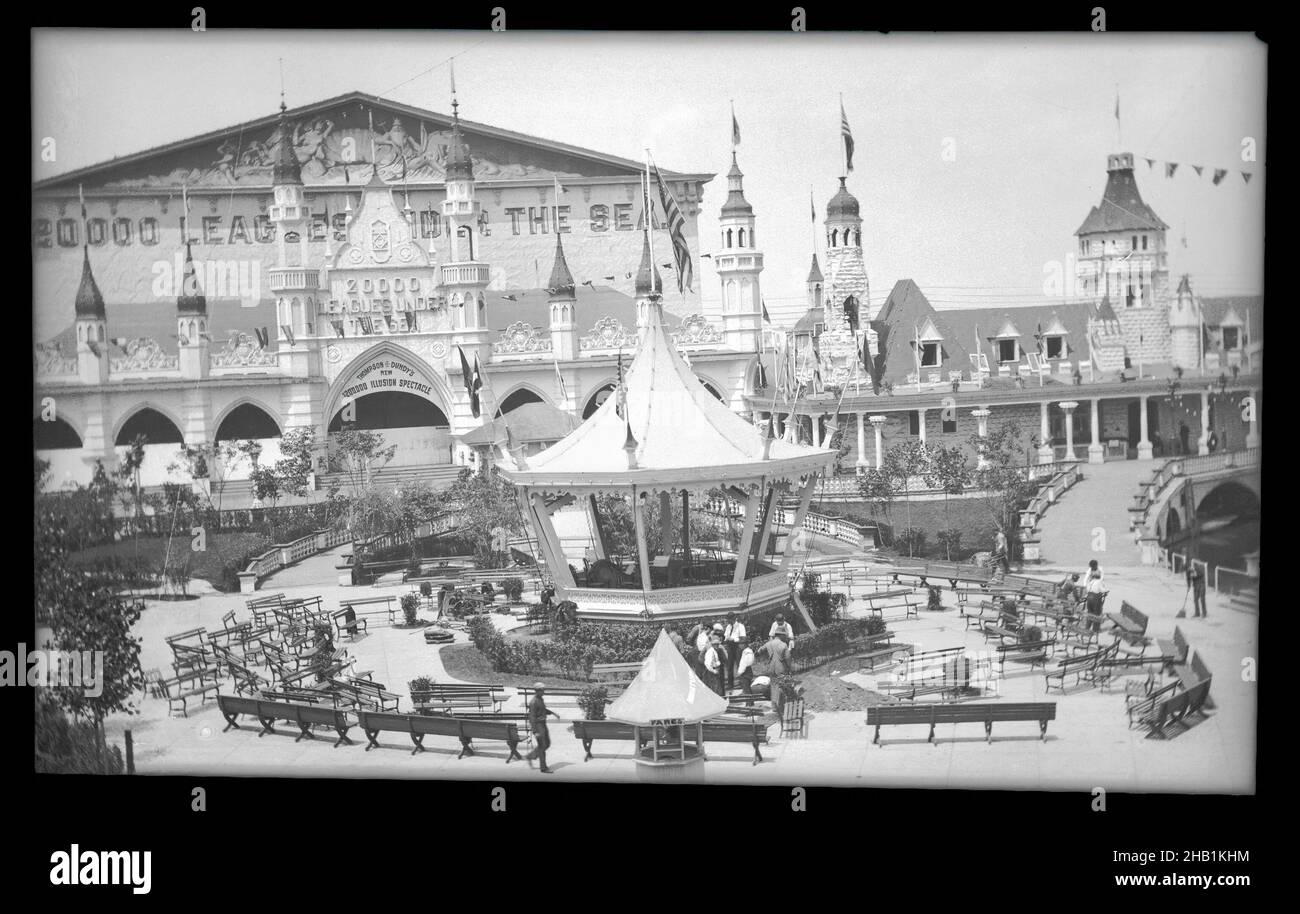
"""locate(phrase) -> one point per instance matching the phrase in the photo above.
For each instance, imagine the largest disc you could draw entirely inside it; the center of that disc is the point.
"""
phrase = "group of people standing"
(723, 654)
(1091, 592)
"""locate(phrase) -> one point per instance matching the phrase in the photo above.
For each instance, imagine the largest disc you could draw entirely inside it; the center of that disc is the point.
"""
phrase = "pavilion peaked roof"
(681, 434)
(666, 689)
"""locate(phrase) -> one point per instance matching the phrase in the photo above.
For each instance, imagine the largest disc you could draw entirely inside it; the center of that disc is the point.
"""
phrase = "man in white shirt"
(745, 668)
(781, 627)
(736, 637)
(1095, 597)
(712, 668)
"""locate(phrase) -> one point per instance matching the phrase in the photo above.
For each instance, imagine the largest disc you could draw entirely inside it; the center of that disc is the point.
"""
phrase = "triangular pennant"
(1218, 175)
(1198, 169)
(288, 333)
(1245, 176)
(338, 327)
(1170, 168)
(93, 347)
(1151, 163)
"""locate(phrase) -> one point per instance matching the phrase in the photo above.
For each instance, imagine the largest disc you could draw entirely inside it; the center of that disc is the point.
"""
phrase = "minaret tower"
(92, 325)
(191, 317)
(844, 263)
(816, 286)
(563, 306)
(294, 282)
(464, 278)
(739, 263)
(1185, 328)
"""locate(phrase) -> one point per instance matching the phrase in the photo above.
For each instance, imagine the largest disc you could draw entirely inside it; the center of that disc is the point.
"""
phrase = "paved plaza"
(1088, 745)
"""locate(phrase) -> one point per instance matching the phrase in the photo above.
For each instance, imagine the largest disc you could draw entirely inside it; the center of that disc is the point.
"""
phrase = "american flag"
(848, 137)
(676, 224)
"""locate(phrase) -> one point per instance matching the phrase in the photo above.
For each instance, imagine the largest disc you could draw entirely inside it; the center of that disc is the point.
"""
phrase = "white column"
(1069, 407)
(877, 422)
(643, 555)
(982, 416)
(920, 423)
(765, 534)
(1203, 442)
(805, 497)
(1096, 454)
(747, 539)
(1144, 444)
(1045, 453)
(862, 441)
(816, 430)
(1252, 436)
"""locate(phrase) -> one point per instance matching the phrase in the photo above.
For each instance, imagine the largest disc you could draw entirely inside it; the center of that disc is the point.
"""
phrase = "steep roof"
(843, 204)
(561, 284)
(1122, 208)
(562, 153)
(666, 689)
(736, 204)
(89, 303)
(682, 433)
(1213, 311)
(815, 272)
(528, 423)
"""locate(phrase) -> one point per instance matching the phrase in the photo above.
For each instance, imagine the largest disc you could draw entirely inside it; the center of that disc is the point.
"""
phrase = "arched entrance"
(519, 397)
(162, 440)
(598, 397)
(394, 393)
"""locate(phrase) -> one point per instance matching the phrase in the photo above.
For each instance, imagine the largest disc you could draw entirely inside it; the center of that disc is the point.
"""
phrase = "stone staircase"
(1101, 500)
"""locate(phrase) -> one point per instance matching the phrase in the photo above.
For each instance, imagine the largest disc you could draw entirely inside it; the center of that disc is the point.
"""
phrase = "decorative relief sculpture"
(521, 337)
(242, 351)
(51, 362)
(696, 331)
(608, 333)
(144, 354)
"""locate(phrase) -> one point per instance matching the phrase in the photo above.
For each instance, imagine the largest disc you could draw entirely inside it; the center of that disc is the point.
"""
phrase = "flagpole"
(649, 216)
(845, 148)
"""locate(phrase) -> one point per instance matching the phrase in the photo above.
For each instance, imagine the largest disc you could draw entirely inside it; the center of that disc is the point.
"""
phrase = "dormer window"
(1055, 347)
(929, 355)
(1231, 338)
(1007, 351)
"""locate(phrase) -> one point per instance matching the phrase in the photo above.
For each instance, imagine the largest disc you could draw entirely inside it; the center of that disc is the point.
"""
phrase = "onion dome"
(191, 300)
(89, 302)
(561, 284)
(287, 170)
(842, 204)
(736, 204)
(459, 165)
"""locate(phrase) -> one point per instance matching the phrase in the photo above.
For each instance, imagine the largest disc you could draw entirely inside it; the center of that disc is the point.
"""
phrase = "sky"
(1030, 118)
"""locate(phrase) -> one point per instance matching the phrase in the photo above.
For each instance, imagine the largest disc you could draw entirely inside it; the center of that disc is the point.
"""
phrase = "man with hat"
(736, 637)
(537, 712)
(712, 663)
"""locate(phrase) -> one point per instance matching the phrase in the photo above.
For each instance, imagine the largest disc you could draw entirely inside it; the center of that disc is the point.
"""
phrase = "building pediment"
(344, 141)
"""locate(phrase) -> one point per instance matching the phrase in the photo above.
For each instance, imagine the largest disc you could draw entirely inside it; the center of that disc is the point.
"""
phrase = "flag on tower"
(559, 378)
(848, 137)
(812, 205)
(472, 382)
(735, 127)
(263, 337)
(676, 225)
(767, 318)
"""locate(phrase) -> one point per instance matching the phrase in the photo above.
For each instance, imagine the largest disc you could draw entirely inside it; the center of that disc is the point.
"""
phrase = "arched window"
(835, 237)
(56, 434)
(517, 399)
(153, 425)
(728, 237)
(247, 421)
(740, 238)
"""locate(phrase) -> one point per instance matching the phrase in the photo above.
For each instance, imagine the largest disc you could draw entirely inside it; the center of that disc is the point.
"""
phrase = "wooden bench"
(942, 713)
(752, 731)
(262, 607)
(418, 726)
(1129, 622)
(1082, 667)
(1175, 707)
(602, 671)
(459, 695)
(268, 712)
(180, 688)
(879, 601)
(342, 625)
(877, 646)
(1174, 651)
(373, 694)
(385, 607)
(1034, 653)
(1139, 706)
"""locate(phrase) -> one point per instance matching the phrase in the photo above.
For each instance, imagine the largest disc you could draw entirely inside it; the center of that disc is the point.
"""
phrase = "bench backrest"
(368, 601)
(1199, 667)
(477, 728)
(955, 713)
(228, 618)
(1130, 611)
(747, 731)
(602, 729)
(271, 599)
(237, 704)
(194, 633)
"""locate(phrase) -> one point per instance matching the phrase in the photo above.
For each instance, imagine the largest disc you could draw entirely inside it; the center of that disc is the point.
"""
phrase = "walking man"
(1196, 580)
(736, 638)
(712, 667)
(778, 650)
(537, 712)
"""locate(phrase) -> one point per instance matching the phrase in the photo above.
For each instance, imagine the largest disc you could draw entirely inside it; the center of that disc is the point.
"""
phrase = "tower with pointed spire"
(295, 284)
(464, 278)
(846, 289)
(739, 263)
(649, 285)
(192, 320)
(816, 285)
(563, 307)
(92, 327)
(1122, 256)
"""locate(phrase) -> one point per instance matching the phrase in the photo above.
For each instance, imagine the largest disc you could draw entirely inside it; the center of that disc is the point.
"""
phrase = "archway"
(153, 425)
(713, 390)
(1228, 499)
(519, 397)
(55, 435)
(1173, 524)
(247, 420)
(598, 396)
(415, 426)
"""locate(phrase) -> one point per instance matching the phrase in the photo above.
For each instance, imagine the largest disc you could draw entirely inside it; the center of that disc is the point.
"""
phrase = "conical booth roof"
(680, 433)
(666, 689)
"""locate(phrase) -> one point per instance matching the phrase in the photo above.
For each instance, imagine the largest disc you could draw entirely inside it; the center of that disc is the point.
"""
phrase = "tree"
(1005, 484)
(85, 614)
(483, 504)
(296, 464)
(359, 454)
(129, 471)
(875, 488)
(950, 472)
(211, 461)
(903, 463)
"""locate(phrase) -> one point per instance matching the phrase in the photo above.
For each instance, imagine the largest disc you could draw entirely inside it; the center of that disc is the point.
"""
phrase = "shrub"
(68, 746)
(789, 686)
(410, 606)
(935, 601)
(950, 540)
(426, 589)
(592, 702)
(422, 684)
(1031, 633)
(911, 541)
(875, 625)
